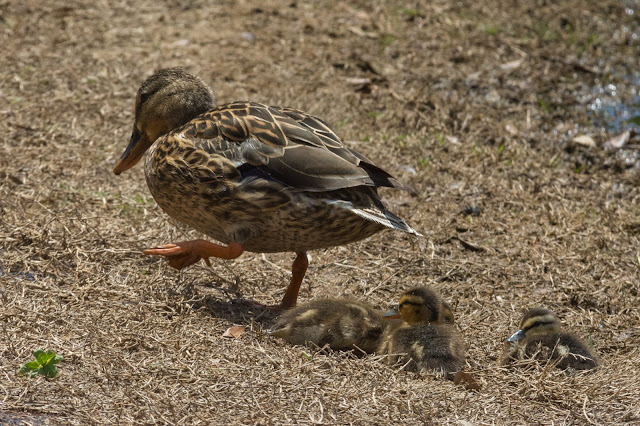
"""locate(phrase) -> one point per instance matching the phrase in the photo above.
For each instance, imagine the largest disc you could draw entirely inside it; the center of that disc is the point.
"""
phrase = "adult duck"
(253, 177)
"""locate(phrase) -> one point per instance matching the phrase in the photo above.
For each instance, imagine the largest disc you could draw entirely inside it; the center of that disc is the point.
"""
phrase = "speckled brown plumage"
(541, 339)
(342, 324)
(255, 187)
(259, 178)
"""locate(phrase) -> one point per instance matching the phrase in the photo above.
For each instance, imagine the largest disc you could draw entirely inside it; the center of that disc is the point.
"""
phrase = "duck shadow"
(220, 300)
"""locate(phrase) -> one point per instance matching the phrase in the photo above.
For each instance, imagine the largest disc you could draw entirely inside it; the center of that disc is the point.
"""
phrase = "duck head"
(422, 305)
(536, 321)
(168, 99)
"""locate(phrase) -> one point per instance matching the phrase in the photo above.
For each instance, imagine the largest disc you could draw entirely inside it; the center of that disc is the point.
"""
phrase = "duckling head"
(168, 99)
(447, 313)
(536, 321)
(422, 305)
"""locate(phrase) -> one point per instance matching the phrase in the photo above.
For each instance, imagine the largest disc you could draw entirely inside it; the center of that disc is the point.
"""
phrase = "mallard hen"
(541, 338)
(251, 176)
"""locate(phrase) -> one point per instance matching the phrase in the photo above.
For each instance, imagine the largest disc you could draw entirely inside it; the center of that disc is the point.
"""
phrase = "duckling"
(254, 177)
(426, 339)
(540, 337)
(342, 324)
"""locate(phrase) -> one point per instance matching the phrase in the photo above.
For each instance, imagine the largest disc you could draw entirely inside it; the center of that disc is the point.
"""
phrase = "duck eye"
(143, 97)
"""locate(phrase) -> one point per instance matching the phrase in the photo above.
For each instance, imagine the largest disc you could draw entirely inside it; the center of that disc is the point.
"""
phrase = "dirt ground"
(475, 104)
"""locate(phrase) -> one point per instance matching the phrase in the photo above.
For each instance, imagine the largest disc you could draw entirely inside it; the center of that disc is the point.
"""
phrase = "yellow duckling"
(342, 324)
(253, 177)
(426, 339)
(539, 337)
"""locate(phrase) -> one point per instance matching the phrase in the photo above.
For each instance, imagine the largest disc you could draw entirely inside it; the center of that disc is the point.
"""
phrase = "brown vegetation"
(475, 104)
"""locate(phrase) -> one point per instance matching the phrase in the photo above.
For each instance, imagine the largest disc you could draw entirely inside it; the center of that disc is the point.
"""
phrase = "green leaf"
(44, 364)
(33, 365)
(29, 368)
(634, 120)
(49, 371)
(43, 357)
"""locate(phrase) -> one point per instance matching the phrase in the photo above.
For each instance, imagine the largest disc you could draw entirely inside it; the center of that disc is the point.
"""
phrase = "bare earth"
(473, 103)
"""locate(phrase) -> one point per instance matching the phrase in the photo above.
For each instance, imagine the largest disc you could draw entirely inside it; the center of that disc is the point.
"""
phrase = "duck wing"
(290, 146)
(332, 142)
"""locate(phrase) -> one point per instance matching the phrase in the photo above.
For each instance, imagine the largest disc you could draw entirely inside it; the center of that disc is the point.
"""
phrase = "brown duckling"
(540, 338)
(426, 339)
(342, 324)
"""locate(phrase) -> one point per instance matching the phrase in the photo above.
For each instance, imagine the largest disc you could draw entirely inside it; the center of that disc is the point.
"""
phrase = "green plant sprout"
(44, 364)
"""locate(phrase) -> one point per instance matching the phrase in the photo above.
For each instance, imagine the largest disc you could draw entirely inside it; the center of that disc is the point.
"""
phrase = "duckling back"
(340, 324)
(425, 347)
(564, 350)
(539, 338)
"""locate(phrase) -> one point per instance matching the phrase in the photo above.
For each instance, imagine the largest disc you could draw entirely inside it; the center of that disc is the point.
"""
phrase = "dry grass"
(472, 105)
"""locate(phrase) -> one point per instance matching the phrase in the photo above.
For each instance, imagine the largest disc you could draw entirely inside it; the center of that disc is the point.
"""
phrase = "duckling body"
(425, 347)
(254, 177)
(540, 338)
(427, 338)
(341, 324)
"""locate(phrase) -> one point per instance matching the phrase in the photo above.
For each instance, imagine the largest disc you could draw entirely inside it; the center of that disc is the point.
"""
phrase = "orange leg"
(298, 270)
(185, 253)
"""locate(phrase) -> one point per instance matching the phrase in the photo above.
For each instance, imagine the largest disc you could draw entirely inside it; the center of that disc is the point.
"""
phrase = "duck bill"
(517, 336)
(137, 146)
(392, 314)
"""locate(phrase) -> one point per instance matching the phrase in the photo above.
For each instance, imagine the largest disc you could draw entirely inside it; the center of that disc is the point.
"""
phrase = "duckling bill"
(253, 177)
(540, 337)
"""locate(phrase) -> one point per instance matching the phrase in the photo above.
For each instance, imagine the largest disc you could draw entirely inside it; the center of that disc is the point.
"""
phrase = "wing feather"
(293, 147)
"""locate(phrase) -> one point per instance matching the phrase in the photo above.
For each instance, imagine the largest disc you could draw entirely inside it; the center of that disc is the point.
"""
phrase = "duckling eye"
(143, 97)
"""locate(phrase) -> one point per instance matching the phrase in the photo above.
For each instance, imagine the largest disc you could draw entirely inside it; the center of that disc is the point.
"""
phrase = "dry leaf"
(511, 65)
(179, 43)
(467, 245)
(618, 141)
(513, 131)
(466, 380)
(234, 332)
(453, 139)
(358, 80)
(584, 140)
(359, 32)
